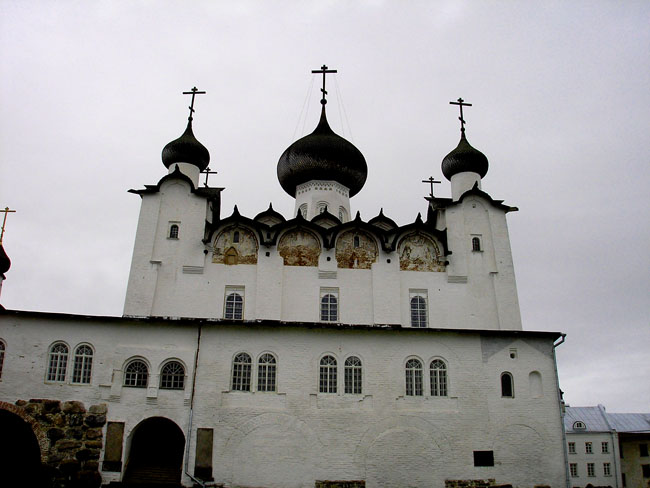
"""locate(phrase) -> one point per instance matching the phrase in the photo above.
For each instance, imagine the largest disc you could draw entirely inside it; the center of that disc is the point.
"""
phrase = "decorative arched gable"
(356, 250)
(419, 252)
(299, 247)
(235, 245)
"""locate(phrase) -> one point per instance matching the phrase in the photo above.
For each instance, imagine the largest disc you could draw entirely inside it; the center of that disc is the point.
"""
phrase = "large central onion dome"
(322, 155)
(464, 158)
(186, 149)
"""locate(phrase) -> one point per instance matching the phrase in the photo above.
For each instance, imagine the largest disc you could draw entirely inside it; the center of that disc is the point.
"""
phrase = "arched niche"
(299, 247)
(356, 250)
(235, 245)
(419, 252)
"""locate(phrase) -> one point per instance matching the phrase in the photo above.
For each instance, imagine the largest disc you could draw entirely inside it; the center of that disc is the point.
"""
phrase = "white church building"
(309, 350)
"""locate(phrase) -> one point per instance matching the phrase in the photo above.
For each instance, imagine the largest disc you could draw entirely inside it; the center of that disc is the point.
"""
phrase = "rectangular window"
(233, 307)
(483, 458)
(418, 303)
(607, 469)
(591, 469)
(573, 468)
(646, 470)
(329, 304)
(604, 447)
(572, 447)
(643, 450)
(589, 448)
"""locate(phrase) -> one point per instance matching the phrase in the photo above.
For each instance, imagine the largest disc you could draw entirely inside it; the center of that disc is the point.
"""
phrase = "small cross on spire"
(324, 70)
(193, 92)
(461, 103)
(4, 221)
(207, 173)
(432, 181)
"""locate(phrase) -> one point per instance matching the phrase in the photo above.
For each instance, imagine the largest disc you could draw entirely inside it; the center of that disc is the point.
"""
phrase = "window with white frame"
(327, 375)
(572, 447)
(136, 374)
(418, 308)
(241, 372)
(589, 448)
(607, 469)
(172, 376)
(83, 364)
(591, 469)
(353, 375)
(604, 447)
(58, 362)
(438, 376)
(579, 425)
(507, 386)
(2, 356)
(266, 371)
(573, 469)
(234, 303)
(329, 304)
(414, 377)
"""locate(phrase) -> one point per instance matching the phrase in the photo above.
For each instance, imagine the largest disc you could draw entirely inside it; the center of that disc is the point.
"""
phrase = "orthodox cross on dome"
(432, 181)
(4, 221)
(207, 173)
(323, 69)
(461, 103)
(193, 92)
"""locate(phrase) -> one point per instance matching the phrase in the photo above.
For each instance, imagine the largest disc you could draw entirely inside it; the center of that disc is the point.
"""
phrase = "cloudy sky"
(90, 92)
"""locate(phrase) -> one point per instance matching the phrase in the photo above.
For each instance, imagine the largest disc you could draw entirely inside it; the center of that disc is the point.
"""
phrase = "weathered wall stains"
(235, 245)
(299, 248)
(418, 252)
(470, 483)
(356, 250)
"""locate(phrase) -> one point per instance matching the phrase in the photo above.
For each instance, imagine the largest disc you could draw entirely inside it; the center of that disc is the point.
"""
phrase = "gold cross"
(4, 221)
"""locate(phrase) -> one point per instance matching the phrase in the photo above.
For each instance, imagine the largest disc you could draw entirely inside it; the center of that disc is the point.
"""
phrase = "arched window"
(342, 214)
(356, 241)
(322, 206)
(413, 377)
(58, 362)
(266, 373)
(2, 356)
(136, 374)
(507, 386)
(234, 306)
(303, 210)
(241, 372)
(83, 364)
(476, 244)
(329, 308)
(327, 381)
(418, 311)
(352, 375)
(172, 376)
(579, 425)
(235, 236)
(438, 372)
(173, 231)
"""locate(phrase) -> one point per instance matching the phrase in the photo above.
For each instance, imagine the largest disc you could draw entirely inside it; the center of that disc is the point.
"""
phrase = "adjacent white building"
(295, 351)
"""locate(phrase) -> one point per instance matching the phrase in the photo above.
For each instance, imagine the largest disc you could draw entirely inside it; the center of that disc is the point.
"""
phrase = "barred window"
(172, 376)
(136, 374)
(589, 448)
(418, 311)
(591, 469)
(604, 447)
(327, 381)
(413, 378)
(266, 370)
(607, 469)
(507, 387)
(173, 231)
(476, 244)
(352, 375)
(2, 356)
(58, 362)
(572, 447)
(573, 468)
(329, 308)
(438, 370)
(83, 364)
(234, 306)
(241, 372)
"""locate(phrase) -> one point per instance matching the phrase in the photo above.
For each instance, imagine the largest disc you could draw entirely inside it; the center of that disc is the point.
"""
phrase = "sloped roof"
(596, 419)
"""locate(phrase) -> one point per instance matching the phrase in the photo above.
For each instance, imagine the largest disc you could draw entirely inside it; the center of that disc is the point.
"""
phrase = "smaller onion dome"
(5, 262)
(464, 158)
(322, 155)
(186, 149)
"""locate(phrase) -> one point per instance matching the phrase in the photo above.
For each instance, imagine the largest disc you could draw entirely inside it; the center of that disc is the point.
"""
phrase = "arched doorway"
(20, 454)
(156, 453)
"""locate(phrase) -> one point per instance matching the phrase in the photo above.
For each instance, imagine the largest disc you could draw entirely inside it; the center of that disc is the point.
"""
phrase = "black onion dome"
(186, 149)
(464, 158)
(322, 155)
(5, 262)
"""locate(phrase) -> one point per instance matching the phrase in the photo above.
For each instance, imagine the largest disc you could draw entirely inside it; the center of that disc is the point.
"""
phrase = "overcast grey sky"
(90, 92)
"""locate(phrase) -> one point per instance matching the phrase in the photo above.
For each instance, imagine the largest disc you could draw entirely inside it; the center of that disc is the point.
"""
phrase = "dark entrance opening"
(20, 454)
(156, 453)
